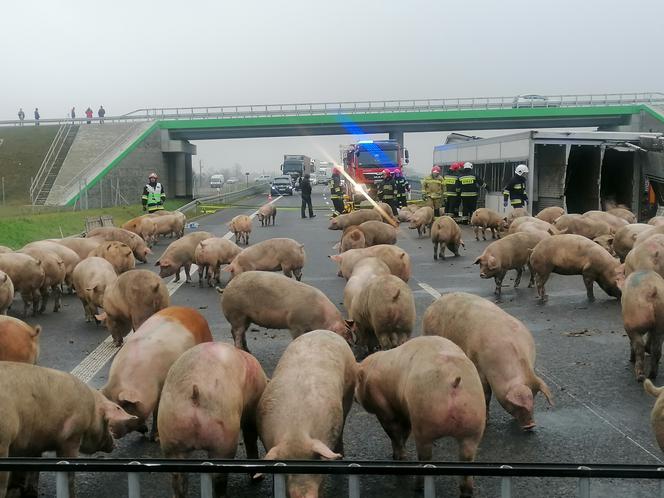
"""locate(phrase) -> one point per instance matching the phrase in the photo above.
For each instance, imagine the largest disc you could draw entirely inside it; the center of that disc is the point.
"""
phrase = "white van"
(216, 181)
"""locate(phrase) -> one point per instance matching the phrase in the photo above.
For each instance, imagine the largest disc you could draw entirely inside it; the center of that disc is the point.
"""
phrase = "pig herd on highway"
(203, 395)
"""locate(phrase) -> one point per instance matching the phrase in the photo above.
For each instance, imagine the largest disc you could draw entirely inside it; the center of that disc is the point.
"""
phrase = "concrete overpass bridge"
(158, 138)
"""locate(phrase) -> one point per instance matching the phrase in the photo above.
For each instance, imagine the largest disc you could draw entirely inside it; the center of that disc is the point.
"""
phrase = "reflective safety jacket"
(515, 190)
(336, 192)
(387, 190)
(432, 187)
(153, 197)
(469, 185)
(450, 183)
(402, 186)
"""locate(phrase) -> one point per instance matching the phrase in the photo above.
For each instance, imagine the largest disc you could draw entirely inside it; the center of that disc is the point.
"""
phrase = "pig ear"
(101, 317)
(157, 263)
(36, 330)
(492, 262)
(91, 289)
(544, 389)
(477, 261)
(336, 258)
(128, 397)
(518, 396)
(620, 276)
(319, 447)
(336, 246)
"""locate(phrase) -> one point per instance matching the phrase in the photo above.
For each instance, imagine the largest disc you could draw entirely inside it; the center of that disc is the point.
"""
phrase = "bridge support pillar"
(397, 135)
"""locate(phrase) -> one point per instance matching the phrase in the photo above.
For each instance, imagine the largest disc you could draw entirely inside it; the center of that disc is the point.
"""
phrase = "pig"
(283, 254)
(54, 276)
(144, 227)
(302, 412)
(623, 241)
(137, 244)
(91, 278)
(531, 224)
(623, 213)
(514, 214)
(18, 340)
(657, 414)
(364, 271)
(241, 228)
(118, 254)
(570, 254)
(656, 221)
(5, 249)
(48, 410)
(386, 214)
(180, 254)
(646, 255)
(292, 305)
(68, 256)
(404, 215)
(430, 387)
(355, 218)
(139, 369)
(130, 300)
(606, 242)
(382, 313)
(266, 213)
(27, 276)
(210, 393)
(81, 246)
(422, 220)
(210, 254)
(509, 253)
(6, 292)
(394, 257)
(550, 214)
(646, 234)
(484, 218)
(613, 221)
(500, 346)
(369, 233)
(643, 318)
(446, 233)
(589, 227)
(168, 223)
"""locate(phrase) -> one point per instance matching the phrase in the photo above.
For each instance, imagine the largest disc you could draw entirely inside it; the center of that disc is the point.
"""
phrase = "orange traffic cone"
(269, 197)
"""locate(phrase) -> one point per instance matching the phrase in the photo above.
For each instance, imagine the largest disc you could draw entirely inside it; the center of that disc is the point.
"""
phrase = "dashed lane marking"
(95, 361)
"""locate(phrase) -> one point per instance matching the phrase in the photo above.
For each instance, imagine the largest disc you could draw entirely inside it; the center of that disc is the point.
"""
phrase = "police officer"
(451, 193)
(469, 187)
(336, 192)
(515, 190)
(153, 195)
(387, 191)
(403, 187)
(432, 190)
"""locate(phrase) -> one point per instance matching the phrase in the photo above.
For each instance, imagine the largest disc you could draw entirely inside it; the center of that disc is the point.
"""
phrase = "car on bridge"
(532, 100)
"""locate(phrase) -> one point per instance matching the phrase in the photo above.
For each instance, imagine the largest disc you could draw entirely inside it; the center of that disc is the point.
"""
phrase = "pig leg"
(424, 448)
(298, 273)
(179, 481)
(540, 280)
(187, 268)
(435, 250)
(443, 246)
(246, 238)
(239, 333)
(499, 284)
(477, 233)
(588, 282)
(655, 348)
(154, 430)
(532, 276)
(201, 271)
(44, 299)
(493, 233)
(638, 353)
(398, 432)
(517, 280)
(250, 437)
(4, 476)
(483, 233)
(36, 298)
(69, 449)
(57, 298)
(467, 451)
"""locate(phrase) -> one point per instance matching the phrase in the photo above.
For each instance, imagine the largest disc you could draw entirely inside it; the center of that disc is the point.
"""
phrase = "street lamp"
(247, 174)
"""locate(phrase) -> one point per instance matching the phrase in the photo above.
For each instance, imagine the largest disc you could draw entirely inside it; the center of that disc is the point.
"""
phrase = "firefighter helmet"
(521, 170)
(336, 171)
(386, 173)
(153, 175)
(467, 165)
(435, 169)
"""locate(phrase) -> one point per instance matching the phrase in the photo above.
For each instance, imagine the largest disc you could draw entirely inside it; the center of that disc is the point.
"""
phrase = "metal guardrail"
(353, 469)
(49, 160)
(366, 107)
(225, 197)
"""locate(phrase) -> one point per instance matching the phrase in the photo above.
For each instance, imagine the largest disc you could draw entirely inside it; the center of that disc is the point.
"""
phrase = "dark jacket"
(306, 187)
(515, 190)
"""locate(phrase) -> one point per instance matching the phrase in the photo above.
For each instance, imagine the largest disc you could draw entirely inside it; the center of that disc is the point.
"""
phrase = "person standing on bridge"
(37, 116)
(469, 187)
(336, 192)
(153, 195)
(21, 116)
(88, 115)
(515, 190)
(72, 113)
(101, 113)
(432, 190)
(305, 187)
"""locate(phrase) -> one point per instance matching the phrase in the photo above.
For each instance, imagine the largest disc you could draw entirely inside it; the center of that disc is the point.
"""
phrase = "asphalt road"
(601, 414)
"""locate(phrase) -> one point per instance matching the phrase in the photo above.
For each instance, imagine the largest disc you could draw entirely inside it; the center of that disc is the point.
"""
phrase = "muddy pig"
(18, 340)
(514, 214)
(130, 300)
(48, 410)
(144, 227)
(180, 254)
(139, 369)
(367, 234)
(241, 228)
(118, 254)
(446, 233)
(422, 220)
(500, 346)
(613, 221)
(643, 317)
(364, 272)
(81, 246)
(624, 239)
(646, 255)
(427, 386)
(383, 313)
(570, 254)
(54, 276)
(210, 254)
(171, 224)
(283, 254)
(27, 276)
(550, 214)
(657, 414)
(394, 257)
(302, 412)
(509, 253)
(623, 213)
(6, 292)
(484, 218)
(137, 244)
(91, 278)
(586, 226)
(210, 393)
(266, 213)
(277, 302)
(355, 218)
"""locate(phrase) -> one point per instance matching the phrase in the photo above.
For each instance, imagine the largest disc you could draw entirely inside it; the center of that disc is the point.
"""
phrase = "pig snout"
(519, 403)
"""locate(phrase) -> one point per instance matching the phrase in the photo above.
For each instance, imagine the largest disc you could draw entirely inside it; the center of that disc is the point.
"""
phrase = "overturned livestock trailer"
(576, 170)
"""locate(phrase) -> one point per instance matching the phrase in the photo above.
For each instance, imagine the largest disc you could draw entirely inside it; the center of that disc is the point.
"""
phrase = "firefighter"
(469, 187)
(336, 192)
(451, 193)
(515, 190)
(432, 190)
(403, 187)
(387, 191)
(153, 195)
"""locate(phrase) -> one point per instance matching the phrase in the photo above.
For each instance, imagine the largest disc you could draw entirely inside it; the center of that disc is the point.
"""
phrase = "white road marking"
(95, 361)
(433, 292)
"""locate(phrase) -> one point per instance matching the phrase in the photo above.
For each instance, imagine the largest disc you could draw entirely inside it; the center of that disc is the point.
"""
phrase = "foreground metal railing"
(353, 469)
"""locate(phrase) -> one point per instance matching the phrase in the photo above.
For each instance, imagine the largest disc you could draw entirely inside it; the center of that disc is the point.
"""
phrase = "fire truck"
(365, 161)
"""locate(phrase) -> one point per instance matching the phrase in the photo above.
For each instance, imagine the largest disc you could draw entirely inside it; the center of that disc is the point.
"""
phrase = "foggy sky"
(127, 55)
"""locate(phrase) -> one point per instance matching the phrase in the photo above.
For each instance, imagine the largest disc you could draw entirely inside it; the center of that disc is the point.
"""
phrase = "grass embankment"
(21, 153)
(18, 230)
